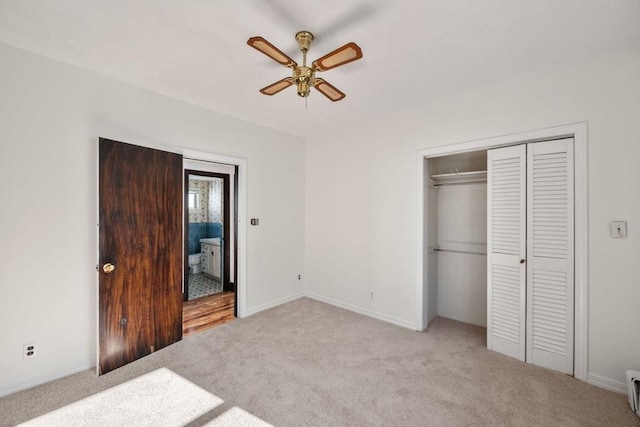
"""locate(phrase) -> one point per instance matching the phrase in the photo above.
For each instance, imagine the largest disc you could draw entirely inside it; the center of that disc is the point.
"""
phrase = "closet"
(457, 193)
(500, 247)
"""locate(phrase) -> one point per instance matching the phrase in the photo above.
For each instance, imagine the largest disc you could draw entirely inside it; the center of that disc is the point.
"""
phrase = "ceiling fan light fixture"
(343, 55)
(303, 76)
(303, 88)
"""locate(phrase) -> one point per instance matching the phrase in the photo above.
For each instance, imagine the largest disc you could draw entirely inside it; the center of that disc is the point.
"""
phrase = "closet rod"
(446, 184)
(459, 252)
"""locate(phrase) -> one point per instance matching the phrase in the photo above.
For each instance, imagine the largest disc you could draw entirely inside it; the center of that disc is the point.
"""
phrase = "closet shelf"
(459, 177)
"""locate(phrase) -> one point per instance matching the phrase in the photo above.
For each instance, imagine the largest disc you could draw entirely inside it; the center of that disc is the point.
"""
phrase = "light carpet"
(159, 398)
(236, 417)
(306, 363)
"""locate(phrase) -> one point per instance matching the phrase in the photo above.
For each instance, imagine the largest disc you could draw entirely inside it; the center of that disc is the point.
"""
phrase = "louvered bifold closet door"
(550, 254)
(506, 247)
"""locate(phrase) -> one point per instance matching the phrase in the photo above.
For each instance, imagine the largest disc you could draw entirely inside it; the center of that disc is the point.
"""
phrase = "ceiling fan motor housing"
(303, 76)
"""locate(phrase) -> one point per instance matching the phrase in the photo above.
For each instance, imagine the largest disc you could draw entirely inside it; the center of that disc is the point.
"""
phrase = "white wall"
(361, 192)
(51, 115)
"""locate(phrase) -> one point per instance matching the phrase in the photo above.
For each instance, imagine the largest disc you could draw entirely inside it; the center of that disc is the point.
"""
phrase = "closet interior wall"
(456, 195)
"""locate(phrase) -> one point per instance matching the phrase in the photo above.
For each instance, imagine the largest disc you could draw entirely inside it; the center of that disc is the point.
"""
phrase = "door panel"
(140, 233)
(550, 254)
(506, 247)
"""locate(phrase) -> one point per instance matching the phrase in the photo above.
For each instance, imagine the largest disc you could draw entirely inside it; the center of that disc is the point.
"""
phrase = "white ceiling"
(415, 52)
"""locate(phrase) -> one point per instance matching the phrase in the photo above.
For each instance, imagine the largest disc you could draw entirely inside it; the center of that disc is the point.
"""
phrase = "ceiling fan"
(304, 77)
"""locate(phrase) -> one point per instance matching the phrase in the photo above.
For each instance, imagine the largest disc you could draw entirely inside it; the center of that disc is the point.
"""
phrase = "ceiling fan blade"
(342, 55)
(328, 90)
(271, 51)
(276, 87)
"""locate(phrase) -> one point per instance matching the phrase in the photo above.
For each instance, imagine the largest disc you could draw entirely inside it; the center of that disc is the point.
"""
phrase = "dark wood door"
(140, 235)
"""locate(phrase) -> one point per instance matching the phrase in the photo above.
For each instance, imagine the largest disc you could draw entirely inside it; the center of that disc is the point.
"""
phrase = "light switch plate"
(618, 229)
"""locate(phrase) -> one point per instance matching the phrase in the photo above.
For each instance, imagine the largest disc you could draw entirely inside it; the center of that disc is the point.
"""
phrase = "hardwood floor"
(204, 313)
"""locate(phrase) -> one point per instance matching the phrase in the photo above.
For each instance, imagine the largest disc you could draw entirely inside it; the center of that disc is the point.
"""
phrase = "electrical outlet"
(371, 295)
(299, 276)
(30, 350)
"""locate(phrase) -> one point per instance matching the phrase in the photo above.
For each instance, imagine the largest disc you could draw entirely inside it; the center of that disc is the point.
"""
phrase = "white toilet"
(194, 263)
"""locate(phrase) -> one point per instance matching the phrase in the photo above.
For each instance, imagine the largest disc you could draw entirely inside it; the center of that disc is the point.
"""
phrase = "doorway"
(210, 245)
(425, 301)
(207, 225)
(456, 191)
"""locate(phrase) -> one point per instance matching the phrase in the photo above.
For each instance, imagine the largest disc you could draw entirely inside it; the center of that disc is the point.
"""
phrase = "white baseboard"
(607, 383)
(13, 387)
(384, 317)
(275, 303)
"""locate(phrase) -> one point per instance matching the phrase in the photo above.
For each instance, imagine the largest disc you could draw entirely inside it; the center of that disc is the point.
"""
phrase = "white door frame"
(581, 262)
(241, 195)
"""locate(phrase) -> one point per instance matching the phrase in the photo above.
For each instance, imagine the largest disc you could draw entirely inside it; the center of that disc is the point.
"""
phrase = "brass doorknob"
(108, 268)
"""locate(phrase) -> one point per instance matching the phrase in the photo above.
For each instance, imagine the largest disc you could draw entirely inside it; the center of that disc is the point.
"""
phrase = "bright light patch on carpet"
(159, 398)
(236, 417)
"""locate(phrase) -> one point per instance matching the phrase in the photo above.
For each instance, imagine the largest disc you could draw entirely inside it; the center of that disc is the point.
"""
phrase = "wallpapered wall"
(210, 209)
(206, 220)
